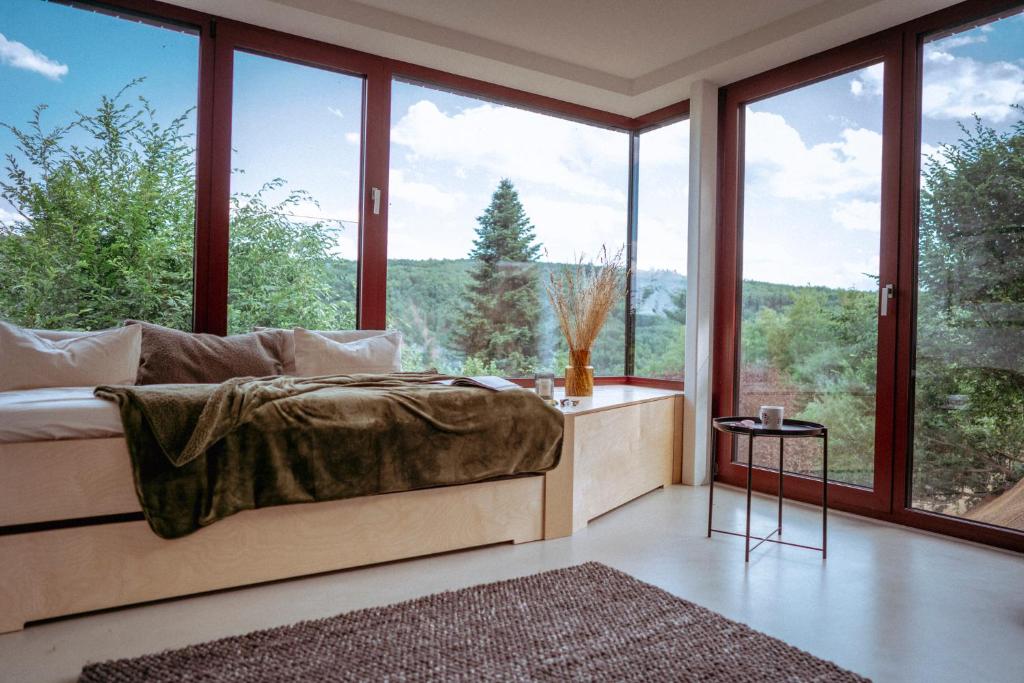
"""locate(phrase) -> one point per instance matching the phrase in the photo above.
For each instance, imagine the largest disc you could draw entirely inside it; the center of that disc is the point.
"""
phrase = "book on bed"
(483, 381)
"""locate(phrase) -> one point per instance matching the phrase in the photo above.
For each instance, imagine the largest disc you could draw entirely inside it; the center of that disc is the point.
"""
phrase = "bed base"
(66, 571)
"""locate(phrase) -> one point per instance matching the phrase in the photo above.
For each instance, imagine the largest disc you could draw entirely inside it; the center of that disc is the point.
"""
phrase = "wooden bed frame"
(47, 572)
(73, 539)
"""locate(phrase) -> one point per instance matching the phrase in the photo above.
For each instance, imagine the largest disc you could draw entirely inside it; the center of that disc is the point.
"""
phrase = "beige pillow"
(288, 352)
(316, 354)
(29, 361)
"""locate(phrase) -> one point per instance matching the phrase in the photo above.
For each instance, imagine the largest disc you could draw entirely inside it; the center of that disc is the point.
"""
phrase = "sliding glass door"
(807, 304)
(968, 381)
(810, 254)
(870, 271)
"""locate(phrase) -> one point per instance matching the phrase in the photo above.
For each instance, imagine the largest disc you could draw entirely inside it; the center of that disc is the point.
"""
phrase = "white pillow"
(60, 335)
(29, 361)
(316, 354)
(288, 359)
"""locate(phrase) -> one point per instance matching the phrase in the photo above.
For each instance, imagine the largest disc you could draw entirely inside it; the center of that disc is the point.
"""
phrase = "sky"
(813, 155)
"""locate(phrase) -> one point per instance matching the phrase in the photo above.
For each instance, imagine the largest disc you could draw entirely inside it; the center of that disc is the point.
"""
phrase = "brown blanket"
(202, 452)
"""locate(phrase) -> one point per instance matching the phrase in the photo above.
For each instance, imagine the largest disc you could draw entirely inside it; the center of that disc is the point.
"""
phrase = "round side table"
(790, 429)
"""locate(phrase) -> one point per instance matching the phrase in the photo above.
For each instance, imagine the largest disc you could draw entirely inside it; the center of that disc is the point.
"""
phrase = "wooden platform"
(619, 444)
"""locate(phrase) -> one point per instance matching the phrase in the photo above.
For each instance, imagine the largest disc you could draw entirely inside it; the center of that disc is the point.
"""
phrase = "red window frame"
(902, 47)
(219, 38)
(881, 48)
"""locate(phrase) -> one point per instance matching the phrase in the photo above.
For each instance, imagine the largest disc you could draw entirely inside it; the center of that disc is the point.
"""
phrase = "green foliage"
(821, 345)
(106, 232)
(106, 228)
(501, 313)
(969, 424)
(280, 273)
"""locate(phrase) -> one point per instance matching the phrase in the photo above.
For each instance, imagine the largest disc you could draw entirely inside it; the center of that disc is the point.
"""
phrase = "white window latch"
(884, 295)
(375, 196)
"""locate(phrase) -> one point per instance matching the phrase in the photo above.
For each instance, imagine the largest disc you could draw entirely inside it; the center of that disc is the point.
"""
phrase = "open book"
(483, 381)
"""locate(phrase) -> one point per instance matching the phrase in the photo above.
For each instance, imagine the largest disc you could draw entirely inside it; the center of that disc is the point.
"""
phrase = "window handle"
(375, 196)
(884, 295)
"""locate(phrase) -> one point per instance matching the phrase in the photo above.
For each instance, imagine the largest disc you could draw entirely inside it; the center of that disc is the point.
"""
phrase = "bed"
(73, 537)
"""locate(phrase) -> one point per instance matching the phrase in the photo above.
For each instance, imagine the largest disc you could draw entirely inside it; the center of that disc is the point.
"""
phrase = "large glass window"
(810, 259)
(968, 458)
(486, 201)
(97, 192)
(661, 251)
(296, 138)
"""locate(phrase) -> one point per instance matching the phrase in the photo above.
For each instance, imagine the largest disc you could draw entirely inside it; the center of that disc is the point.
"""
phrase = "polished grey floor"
(889, 603)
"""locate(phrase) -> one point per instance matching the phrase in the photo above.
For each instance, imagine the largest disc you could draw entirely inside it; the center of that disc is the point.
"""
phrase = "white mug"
(771, 416)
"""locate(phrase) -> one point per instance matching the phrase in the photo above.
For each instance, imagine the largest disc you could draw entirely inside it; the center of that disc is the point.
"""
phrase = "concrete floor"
(889, 603)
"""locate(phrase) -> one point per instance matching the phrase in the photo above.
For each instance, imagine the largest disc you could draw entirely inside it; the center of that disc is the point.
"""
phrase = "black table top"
(733, 425)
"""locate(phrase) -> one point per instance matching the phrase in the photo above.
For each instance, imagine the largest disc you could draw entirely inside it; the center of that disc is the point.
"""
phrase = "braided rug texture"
(583, 623)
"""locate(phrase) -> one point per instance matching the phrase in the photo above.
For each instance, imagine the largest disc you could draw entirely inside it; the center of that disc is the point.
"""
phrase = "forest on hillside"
(104, 230)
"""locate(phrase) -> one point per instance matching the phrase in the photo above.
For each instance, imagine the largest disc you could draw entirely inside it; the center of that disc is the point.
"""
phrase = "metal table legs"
(777, 531)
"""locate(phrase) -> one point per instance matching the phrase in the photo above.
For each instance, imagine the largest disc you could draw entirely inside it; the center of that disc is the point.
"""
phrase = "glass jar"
(544, 385)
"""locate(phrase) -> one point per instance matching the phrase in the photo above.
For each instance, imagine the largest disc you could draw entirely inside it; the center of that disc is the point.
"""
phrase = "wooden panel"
(558, 485)
(621, 454)
(677, 441)
(42, 481)
(66, 571)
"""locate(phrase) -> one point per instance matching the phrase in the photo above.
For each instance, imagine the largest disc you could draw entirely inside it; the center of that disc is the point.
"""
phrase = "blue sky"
(812, 162)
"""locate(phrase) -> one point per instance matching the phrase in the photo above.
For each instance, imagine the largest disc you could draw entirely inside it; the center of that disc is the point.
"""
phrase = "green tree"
(969, 419)
(106, 223)
(280, 271)
(105, 227)
(502, 312)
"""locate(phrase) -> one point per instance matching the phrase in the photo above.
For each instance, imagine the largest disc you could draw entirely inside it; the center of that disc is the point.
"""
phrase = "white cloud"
(21, 56)
(868, 81)
(858, 214)
(509, 142)
(817, 200)
(959, 87)
(969, 38)
(353, 138)
(570, 228)
(7, 216)
(778, 159)
(669, 145)
(421, 194)
(336, 112)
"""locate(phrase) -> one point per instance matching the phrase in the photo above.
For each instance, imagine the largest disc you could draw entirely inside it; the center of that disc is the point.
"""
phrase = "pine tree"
(502, 312)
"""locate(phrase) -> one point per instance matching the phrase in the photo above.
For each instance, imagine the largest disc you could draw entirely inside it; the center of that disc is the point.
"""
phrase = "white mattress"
(56, 413)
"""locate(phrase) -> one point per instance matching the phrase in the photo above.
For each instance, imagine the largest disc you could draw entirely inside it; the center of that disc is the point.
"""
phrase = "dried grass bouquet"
(582, 296)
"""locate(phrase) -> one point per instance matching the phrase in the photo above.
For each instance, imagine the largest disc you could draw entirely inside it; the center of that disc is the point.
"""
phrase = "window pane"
(968, 458)
(296, 137)
(661, 251)
(467, 286)
(811, 240)
(97, 195)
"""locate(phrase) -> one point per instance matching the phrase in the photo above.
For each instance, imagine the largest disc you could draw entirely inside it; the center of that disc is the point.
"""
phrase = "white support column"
(700, 281)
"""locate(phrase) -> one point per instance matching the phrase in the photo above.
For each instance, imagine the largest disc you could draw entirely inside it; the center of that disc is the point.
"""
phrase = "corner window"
(487, 201)
(663, 209)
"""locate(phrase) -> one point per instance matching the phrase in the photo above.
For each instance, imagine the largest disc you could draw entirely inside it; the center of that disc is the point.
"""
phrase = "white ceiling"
(624, 56)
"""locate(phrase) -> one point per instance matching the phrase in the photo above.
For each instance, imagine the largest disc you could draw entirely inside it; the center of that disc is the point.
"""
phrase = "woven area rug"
(584, 623)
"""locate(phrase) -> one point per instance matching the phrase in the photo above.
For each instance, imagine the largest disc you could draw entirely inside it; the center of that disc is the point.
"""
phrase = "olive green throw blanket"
(202, 452)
